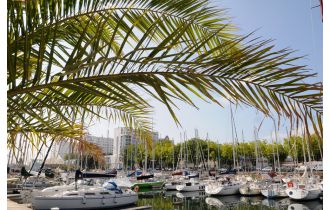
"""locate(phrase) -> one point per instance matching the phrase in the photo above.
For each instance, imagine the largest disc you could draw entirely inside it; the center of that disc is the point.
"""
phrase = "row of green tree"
(196, 152)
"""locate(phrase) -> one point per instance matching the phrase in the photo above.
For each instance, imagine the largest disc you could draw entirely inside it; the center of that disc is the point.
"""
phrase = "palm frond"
(117, 53)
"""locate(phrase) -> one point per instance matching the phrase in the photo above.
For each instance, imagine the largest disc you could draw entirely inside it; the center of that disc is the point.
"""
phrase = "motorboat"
(107, 196)
(146, 181)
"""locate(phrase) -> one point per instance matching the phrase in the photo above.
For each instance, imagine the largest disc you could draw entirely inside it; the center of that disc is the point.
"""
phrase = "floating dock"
(139, 208)
(12, 205)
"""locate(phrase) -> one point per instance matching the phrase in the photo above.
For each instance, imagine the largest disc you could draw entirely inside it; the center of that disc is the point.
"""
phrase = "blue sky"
(291, 24)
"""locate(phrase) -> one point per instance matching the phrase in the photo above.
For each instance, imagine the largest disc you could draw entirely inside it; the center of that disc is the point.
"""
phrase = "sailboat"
(145, 180)
(251, 188)
(304, 189)
(308, 187)
(192, 185)
(179, 177)
(108, 195)
(87, 198)
(223, 187)
(275, 190)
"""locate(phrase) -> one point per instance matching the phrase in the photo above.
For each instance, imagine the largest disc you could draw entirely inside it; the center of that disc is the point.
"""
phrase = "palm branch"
(71, 59)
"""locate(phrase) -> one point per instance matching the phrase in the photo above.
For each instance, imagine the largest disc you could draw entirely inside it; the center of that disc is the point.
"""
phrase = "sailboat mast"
(186, 150)
(161, 151)
(181, 144)
(243, 152)
(232, 134)
(152, 146)
(173, 155)
(276, 139)
(208, 151)
(218, 147)
(256, 146)
(274, 159)
(145, 156)
(303, 147)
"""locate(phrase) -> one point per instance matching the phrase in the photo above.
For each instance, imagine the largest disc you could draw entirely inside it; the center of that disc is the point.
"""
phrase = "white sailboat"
(223, 187)
(27, 195)
(276, 190)
(192, 185)
(304, 192)
(307, 188)
(178, 176)
(251, 188)
(108, 196)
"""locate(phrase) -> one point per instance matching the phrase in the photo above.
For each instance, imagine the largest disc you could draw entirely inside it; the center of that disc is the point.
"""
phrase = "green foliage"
(197, 148)
(69, 60)
(294, 147)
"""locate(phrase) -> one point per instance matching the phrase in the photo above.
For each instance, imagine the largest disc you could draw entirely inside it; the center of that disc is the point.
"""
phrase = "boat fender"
(84, 200)
(103, 202)
(290, 184)
(136, 189)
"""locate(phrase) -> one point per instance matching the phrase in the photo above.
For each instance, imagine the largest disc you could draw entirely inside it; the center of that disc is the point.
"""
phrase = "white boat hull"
(303, 194)
(170, 186)
(246, 190)
(216, 189)
(83, 202)
(185, 188)
(272, 193)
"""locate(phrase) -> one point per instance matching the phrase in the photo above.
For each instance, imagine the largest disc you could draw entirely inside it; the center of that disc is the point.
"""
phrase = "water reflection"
(214, 202)
(252, 200)
(278, 203)
(174, 200)
(199, 200)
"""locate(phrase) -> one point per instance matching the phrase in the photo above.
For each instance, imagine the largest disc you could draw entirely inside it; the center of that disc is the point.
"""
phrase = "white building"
(106, 144)
(123, 137)
(62, 148)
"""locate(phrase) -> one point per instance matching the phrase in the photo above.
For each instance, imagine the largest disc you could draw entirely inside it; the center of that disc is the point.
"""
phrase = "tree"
(69, 60)
(294, 147)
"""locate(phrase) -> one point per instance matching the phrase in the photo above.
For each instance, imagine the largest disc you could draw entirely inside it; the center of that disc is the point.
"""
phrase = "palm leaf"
(68, 57)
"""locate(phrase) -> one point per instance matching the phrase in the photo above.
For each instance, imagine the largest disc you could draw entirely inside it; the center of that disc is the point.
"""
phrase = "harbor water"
(199, 200)
(167, 200)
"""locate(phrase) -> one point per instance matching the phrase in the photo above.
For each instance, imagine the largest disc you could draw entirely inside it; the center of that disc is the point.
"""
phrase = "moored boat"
(87, 198)
(171, 185)
(251, 188)
(192, 185)
(276, 190)
(223, 188)
(303, 192)
(151, 184)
